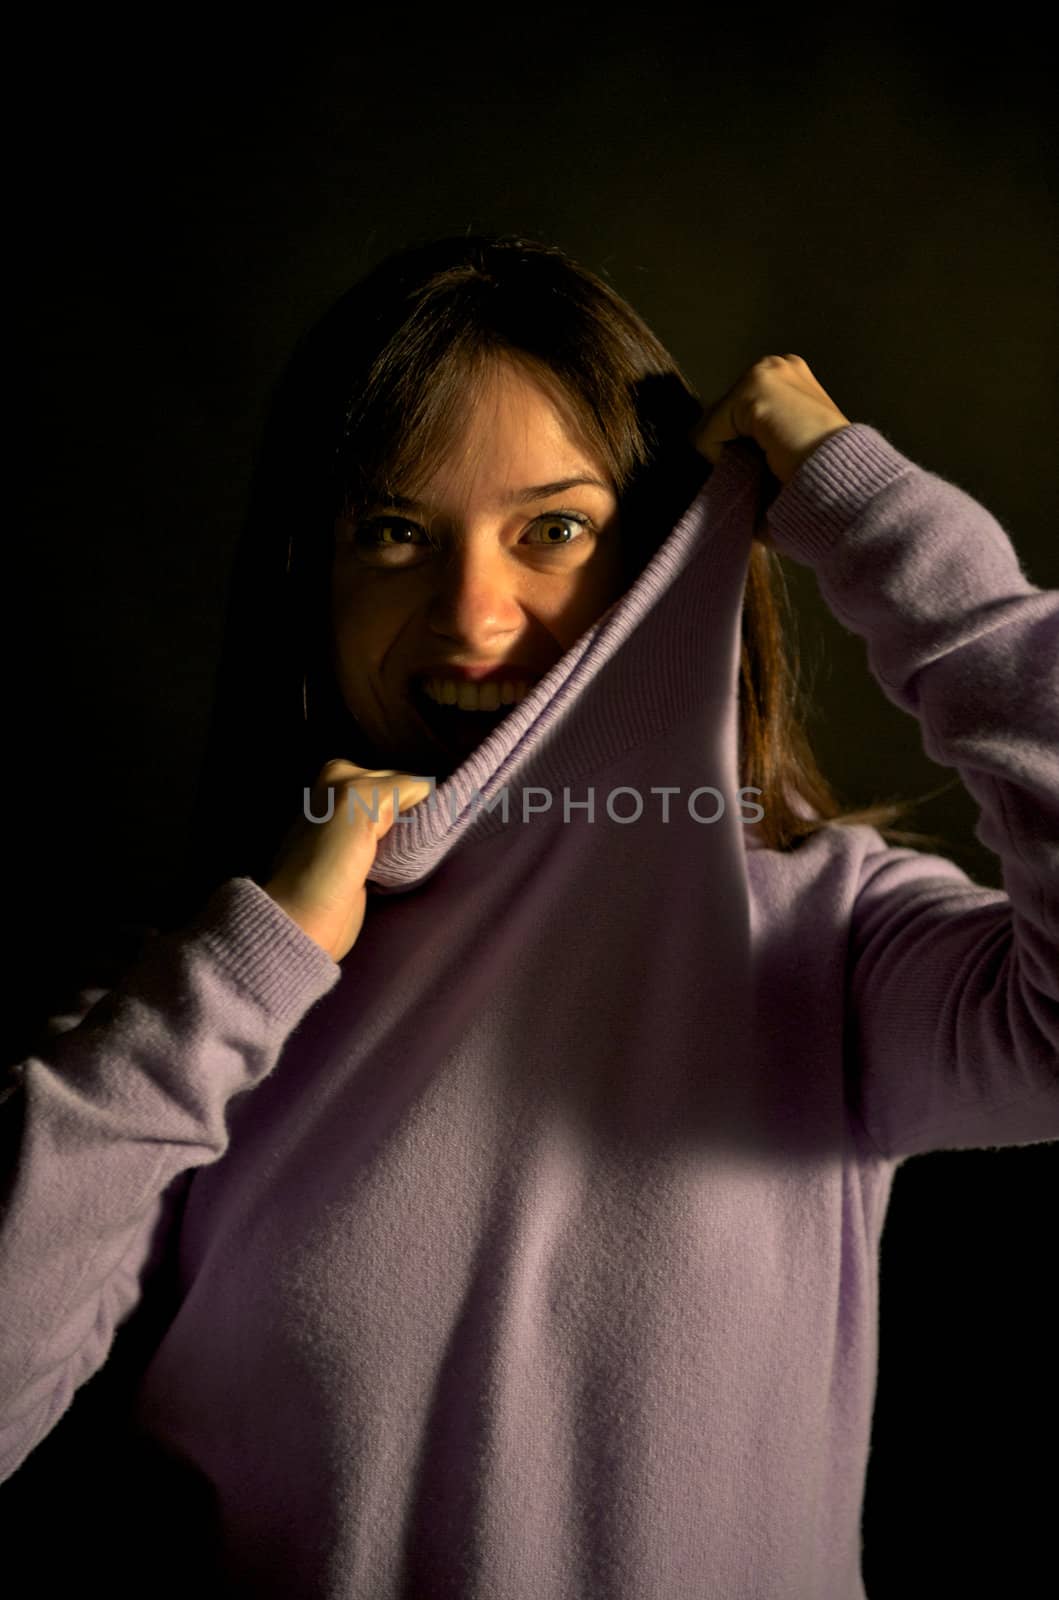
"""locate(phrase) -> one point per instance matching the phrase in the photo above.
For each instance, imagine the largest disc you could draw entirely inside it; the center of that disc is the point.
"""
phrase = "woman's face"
(475, 575)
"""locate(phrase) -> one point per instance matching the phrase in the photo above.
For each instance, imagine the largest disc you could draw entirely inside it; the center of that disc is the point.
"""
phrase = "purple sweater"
(532, 1252)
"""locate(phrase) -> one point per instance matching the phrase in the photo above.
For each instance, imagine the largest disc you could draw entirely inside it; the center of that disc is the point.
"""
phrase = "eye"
(369, 536)
(553, 525)
(387, 537)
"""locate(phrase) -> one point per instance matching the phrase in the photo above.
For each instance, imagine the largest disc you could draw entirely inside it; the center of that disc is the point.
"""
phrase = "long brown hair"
(370, 402)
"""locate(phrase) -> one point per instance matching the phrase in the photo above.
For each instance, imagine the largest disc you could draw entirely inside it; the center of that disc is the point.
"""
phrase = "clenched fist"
(781, 407)
(320, 873)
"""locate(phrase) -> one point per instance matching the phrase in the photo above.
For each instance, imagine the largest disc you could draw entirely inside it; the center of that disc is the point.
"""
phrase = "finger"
(350, 768)
(717, 429)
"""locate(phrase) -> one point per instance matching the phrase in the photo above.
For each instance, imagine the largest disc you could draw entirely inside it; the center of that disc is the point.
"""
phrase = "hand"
(780, 406)
(319, 876)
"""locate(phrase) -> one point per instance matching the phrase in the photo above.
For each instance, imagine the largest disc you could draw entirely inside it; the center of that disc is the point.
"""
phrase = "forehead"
(515, 425)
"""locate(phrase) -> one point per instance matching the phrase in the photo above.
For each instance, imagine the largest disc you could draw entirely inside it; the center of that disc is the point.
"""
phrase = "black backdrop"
(878, 198)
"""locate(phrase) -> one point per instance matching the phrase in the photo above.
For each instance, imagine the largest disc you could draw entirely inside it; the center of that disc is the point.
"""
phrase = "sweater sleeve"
(952, 1001)
(106, 1117)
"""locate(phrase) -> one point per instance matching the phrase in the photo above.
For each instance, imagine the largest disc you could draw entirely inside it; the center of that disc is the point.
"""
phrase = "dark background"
(878, 198)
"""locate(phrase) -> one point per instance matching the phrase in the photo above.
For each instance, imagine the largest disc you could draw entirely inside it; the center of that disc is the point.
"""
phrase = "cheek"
(604, 584)
(361, 623)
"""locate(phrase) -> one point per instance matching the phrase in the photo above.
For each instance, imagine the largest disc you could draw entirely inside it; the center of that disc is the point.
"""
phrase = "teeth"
(474, 696)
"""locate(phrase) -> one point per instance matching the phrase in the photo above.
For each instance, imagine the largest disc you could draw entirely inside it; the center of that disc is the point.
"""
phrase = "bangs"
(439, 365)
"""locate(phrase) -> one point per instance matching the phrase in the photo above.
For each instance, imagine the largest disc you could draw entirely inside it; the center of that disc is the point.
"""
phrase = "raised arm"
(953, 988)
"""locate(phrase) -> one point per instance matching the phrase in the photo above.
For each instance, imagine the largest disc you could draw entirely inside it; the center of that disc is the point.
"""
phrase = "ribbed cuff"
(263, 949)
(831, 488)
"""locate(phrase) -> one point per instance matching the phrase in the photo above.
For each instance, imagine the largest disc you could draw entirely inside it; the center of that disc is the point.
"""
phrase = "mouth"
(452, 725)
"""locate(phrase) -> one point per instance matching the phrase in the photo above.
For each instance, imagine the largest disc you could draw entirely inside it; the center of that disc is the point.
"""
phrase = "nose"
(476, 600)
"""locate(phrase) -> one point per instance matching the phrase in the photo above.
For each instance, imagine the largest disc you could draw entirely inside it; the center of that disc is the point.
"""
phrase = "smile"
(465, 696)
(453, 725)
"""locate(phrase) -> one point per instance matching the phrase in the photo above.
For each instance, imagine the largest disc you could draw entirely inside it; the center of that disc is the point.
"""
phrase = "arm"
(105, 1119)
(952, 989)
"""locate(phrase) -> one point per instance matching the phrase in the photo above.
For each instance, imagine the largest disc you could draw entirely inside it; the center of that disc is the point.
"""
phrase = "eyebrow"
(517, 497)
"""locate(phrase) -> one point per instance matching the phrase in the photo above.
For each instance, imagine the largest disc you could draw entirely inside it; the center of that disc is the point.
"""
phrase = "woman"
(542, 1258)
